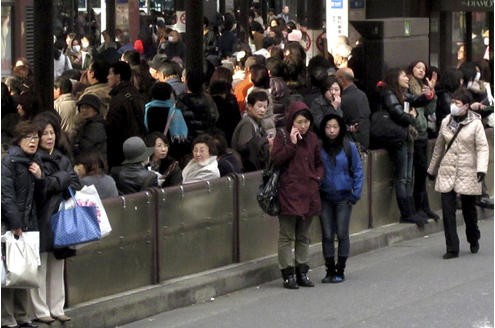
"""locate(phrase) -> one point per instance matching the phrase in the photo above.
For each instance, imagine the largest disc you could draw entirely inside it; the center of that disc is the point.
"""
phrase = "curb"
(201, 287)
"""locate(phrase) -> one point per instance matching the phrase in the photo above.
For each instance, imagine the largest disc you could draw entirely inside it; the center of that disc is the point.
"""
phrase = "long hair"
(332, 147)
(392, 82)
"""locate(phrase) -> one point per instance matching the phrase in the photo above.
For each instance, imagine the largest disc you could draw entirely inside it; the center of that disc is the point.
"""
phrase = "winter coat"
(444, 98)
(58, 176)
(338, 184)
(356, 109)
(102, 91)
(301, 172)
(65, 106)
(457, 169)
(421, 121)
(19, 209)
(195, 171)
(229, 115)
(133, 178)
(249, 140)
(200, 112)
(125, 119)
(321, 107)
(91, 136)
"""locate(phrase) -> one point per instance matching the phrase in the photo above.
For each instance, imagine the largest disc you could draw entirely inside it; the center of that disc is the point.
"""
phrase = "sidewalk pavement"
(144, 302)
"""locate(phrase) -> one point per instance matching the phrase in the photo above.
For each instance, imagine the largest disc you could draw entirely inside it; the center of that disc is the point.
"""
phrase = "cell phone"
(299, 136)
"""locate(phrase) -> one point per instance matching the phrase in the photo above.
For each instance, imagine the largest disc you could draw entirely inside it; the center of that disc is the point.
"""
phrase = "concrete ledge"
(201, 287)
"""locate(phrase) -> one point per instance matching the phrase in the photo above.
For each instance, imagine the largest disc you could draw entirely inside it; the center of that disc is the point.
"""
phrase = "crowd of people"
(127, 116)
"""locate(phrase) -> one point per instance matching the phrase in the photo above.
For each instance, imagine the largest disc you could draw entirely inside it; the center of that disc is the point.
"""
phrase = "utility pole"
(194, 35)
(43, 53)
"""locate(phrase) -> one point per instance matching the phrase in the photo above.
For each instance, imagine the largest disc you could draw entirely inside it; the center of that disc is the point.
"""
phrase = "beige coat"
(65, 106)
(458, 168)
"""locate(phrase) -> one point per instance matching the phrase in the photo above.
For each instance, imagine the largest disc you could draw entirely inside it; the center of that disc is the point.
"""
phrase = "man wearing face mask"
(86, 53)
(459, 164)
(174, 46)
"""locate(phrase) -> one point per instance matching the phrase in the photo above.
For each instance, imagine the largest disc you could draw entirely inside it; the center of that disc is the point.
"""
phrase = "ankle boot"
(427, 209)
(339, 273)
(407, 214)
(289, 279)
(330, 264)
(302, 276)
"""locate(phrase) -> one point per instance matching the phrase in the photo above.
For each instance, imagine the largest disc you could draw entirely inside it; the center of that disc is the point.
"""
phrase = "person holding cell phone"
(297, 153)
(329, 100)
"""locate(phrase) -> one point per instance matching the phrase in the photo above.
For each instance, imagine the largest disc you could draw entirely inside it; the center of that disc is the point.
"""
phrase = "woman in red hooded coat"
(297, 153)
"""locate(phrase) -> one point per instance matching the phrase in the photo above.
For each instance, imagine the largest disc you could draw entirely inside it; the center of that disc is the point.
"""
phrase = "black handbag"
(267, 195)
(385, 132)
(268, 191)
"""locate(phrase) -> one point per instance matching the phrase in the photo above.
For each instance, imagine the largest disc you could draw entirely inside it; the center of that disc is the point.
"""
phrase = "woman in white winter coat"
(459, 163)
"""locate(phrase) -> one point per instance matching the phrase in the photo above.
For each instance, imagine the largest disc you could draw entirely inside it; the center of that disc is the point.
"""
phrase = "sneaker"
(474, 247)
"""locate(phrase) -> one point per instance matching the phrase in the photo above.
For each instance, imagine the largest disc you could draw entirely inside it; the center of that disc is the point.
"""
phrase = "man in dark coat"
(356, 108)
(125, 116)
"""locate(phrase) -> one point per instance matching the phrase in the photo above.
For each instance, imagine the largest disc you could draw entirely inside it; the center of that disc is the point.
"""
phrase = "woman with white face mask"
(459, 164)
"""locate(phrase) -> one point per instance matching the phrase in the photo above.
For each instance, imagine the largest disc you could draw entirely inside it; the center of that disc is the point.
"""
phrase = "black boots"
(300, 279)
(339, 273)
(422, 204)
(335, 273)
(302, 276)
(289, 278)
(330, 264)
(407, 214)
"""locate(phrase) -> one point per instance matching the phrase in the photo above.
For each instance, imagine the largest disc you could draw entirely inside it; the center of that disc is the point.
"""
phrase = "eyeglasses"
(31, 138)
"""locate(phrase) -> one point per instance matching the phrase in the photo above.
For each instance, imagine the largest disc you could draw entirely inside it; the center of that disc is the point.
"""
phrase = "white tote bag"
(88, 196)
(22, 259)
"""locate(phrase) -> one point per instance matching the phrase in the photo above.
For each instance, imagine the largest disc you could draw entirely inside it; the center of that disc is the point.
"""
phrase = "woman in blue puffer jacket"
(340, 190)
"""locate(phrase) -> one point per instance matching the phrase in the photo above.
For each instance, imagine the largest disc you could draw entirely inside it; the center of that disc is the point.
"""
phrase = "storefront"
(461, 30)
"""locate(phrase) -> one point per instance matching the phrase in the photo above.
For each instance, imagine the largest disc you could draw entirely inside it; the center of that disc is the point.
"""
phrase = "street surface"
(403, 286)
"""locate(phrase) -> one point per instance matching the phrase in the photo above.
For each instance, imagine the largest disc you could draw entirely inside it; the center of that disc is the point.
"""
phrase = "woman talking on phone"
(297, 153)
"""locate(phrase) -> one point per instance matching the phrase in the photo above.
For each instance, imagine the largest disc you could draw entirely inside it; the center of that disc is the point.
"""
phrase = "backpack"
(346, 144)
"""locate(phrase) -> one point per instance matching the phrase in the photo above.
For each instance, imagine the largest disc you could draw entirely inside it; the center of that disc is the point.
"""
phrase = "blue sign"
(336, 4)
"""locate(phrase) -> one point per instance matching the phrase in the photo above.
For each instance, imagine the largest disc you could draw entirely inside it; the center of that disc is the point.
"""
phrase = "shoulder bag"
(267, 195)
(77, 225)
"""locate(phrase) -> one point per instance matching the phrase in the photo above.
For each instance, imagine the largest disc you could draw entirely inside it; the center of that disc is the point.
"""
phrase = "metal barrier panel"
(121, 261)
(258, 232)
(360, 216)
(195, 224)
(384, 208)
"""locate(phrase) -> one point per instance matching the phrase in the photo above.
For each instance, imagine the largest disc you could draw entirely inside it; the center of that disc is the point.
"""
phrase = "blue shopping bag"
(75, 225)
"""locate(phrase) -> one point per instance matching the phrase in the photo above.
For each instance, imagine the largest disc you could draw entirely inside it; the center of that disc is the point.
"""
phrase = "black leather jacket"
(132, 178)
(391, 104)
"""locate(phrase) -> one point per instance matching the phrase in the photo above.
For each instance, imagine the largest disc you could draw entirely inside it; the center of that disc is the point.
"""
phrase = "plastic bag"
(22, 259)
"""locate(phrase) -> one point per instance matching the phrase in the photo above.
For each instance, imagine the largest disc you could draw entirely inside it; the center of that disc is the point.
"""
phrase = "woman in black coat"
(49, 299)
(21, 178)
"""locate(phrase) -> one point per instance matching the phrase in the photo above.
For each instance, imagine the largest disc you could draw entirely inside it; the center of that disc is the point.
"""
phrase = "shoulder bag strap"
(453, 138)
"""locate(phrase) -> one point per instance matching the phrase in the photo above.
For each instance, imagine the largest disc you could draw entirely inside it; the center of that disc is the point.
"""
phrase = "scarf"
(177, 129)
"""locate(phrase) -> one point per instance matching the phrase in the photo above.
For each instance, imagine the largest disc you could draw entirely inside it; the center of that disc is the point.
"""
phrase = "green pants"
(293, 234)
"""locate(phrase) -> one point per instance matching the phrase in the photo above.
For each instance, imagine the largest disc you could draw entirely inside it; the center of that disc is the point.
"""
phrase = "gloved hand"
(431, 177)
(481, 176)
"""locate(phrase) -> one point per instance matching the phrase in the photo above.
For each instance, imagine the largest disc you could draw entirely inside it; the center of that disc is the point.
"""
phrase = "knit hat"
(91, 100)
(135, 150)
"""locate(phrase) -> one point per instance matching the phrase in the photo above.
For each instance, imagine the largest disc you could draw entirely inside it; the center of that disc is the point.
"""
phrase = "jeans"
(402, 159)
(334, 219)
(420, 161)
(293, 234)
(449, 223)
